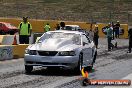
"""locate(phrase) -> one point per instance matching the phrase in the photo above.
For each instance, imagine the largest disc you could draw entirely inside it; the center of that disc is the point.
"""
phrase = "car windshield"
(75, 38)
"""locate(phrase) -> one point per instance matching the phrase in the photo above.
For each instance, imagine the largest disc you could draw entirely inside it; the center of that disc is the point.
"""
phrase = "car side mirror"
(84, 43)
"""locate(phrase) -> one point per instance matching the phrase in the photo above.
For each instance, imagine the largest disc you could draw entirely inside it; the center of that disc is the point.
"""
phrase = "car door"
(87, 50)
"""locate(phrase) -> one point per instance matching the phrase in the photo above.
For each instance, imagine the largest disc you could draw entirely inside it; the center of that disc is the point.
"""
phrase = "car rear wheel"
(12, 32)
(94, 59)
(116, 45)
(89, 68)
(28, 69)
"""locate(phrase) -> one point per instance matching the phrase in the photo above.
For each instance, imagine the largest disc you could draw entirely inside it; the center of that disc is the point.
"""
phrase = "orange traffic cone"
(14, 41)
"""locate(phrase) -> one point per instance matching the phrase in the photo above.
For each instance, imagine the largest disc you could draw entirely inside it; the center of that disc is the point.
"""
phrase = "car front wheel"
(79, 66)
(28, 69)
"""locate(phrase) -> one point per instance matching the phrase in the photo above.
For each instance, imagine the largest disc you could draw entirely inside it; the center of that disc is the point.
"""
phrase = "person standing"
(113, 27)
(96, 36)
(57, 27)
(24, 31)
(91, 34)
(62, 26)
(130, 40)
(117, 29)
(109, 32)
(47, 27)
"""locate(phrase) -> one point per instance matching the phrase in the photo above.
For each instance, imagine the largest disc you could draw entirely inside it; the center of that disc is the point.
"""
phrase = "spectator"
(130, 40)
(109, 32)
(57, 27)
(96, 36)
(24, 31)
(47, 27)
(62, 25)
(91, 34)
(117, 29)
(104, 30)
(113, 27)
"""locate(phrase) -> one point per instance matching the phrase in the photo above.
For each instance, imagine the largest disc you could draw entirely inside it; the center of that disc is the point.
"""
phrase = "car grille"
(46, 63)
(47, 53)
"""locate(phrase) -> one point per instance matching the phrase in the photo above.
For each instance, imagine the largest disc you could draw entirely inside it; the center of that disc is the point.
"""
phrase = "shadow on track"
(52, 72)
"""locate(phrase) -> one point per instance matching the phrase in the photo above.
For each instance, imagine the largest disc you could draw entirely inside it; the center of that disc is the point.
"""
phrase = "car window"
(85, 39)
(78, 28)
(89, 40)
(69, 28)
(74, 38)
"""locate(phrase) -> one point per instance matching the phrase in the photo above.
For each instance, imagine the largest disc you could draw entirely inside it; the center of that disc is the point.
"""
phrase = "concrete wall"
(38, 25)
(19, 50)
(8, 52)
(8, 39)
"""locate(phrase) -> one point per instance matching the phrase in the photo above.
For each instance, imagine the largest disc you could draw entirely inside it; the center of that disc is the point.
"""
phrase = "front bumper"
(68, 62)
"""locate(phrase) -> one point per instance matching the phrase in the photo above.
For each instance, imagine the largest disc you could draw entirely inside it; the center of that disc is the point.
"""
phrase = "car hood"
(54, 45)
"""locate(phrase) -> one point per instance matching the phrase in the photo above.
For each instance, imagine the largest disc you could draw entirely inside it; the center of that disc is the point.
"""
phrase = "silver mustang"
(65, 49)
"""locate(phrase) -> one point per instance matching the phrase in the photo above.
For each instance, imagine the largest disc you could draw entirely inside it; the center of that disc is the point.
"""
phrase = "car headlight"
(27, 51)
(67, 53)
(30, 52)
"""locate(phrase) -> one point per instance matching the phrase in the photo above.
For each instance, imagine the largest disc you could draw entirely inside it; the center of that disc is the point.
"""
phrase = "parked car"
(75, 28)
(61, 48)
(72, 27)
(7, 28)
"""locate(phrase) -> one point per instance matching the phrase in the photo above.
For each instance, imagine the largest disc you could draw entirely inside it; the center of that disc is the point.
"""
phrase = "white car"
(72, 27)
(61, 48)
